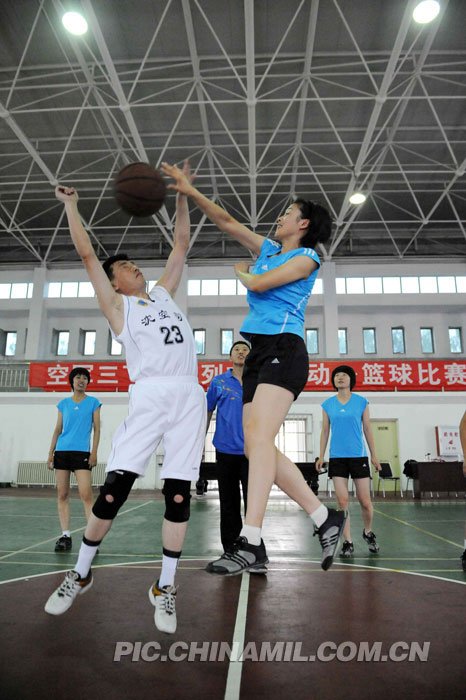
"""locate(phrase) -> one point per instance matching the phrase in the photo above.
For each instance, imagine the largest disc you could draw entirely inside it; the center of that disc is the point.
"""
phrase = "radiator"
(37, 474)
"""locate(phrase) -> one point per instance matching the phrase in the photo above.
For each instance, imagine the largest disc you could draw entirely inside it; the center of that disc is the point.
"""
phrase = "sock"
(86, 555)
(320, 515)
(169, 565)
(66, 533)
(367, 531)
(252, 534)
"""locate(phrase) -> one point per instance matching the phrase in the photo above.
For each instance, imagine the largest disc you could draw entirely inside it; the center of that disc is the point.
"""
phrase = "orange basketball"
(140, 189)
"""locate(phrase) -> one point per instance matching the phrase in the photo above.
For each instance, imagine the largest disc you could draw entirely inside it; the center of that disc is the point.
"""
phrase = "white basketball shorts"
(172, 408)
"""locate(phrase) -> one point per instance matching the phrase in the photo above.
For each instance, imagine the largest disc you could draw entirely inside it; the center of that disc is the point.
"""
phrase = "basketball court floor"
(391, 624)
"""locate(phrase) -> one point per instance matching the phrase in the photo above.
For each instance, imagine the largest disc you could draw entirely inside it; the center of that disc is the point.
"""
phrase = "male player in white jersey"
(166, 402)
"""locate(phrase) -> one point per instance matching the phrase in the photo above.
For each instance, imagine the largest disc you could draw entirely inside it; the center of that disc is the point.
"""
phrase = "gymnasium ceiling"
(268, 99)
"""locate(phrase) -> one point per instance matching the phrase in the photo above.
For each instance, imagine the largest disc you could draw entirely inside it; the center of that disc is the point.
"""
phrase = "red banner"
(381, 375)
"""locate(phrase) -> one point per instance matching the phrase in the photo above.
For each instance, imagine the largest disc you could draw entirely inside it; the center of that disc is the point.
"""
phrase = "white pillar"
(330, 344)
(36, 322)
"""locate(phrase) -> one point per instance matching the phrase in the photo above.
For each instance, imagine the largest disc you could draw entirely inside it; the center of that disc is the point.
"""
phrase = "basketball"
(140, 189)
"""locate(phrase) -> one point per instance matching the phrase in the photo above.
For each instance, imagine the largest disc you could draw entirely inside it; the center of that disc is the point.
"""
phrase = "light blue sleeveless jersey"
(279, 310)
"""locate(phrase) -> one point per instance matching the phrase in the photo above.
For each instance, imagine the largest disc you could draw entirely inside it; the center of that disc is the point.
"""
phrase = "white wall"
(27, 422)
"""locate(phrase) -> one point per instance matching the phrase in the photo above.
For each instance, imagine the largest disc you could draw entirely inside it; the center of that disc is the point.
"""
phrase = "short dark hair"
(75, 372)
(108, 263)
(320, 227)
(347, 370)
(239, 342)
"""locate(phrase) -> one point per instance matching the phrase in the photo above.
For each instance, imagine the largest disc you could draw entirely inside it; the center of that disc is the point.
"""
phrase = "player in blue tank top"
(279, 286)
(70, 449)
(346, 415)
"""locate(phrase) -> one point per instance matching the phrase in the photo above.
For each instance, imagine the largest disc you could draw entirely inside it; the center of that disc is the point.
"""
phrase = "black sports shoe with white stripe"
(329, 534)
(243, 557)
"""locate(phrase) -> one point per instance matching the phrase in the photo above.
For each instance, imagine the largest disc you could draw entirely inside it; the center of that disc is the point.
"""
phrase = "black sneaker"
(371, 541)
(244, 557)
(329, 534)
(63, 544)
(347, 550)
(463, 560)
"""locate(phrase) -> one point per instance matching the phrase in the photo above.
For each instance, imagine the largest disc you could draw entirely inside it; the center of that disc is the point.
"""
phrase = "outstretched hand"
(66, 194)
(182, 178)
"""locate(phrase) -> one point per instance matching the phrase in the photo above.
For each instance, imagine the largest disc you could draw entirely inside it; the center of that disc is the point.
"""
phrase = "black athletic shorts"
(71, 460)
(354, 467)
(281, 360)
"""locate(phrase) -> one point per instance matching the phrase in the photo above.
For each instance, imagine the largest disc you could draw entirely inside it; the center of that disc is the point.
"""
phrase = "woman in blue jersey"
(276, 371)
(347, 416)
(78, 416)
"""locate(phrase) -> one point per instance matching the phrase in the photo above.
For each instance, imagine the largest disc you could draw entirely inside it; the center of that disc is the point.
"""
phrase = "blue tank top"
(279, 310)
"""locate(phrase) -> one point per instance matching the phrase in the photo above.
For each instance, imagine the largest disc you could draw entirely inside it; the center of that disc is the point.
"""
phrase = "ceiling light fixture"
(426, 11)
(357, 198)
(74, 23)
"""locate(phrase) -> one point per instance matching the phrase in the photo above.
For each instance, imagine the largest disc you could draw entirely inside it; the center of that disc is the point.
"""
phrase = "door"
(386, 446)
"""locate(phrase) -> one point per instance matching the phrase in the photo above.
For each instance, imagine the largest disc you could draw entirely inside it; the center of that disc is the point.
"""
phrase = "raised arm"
(109, 300)
(224, 221)
(298, 268)
(173, 271)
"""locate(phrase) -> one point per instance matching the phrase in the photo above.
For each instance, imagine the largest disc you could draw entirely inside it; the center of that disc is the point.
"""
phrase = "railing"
(38, 474)
(14, 377)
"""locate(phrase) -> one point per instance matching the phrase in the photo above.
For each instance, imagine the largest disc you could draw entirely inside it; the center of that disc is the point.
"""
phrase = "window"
(373, 285)
(391, 285)
(199, 341)
(87, 342)
(318, 287)
(456, 343)
(5, 290)
(427, 339)
(446, 285)
(291, 439)
(63, 341)
(194, 288)
(10, 343)
(398, 341)
(410, 285)
(209, 287)
(227, 287)
(19, 291)
(226, 340)
(340, 285)
(312, 341)
(241, 289)
(86, 290)
(355, 285)
(460, 285)
(54, 290)
(368, 336)
(428, 285)
(114, 347)
(342, 341)
(69, 290)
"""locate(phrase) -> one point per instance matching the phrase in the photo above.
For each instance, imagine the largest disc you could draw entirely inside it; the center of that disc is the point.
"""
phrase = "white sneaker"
(63, 598)
(163, 599)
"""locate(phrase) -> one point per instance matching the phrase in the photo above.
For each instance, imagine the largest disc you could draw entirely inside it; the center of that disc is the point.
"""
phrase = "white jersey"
(157, 338)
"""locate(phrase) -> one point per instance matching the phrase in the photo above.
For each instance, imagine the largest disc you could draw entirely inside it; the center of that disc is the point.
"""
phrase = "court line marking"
(152, 562)
(79, 529)
(235, 666)
(419, 529)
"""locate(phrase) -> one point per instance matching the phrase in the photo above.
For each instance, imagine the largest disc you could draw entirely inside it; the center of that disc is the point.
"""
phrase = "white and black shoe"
(329, 534)
(64, 596)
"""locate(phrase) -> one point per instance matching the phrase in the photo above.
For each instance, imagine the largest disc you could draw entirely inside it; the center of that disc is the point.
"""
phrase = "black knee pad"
(117, 486)
(177, 512)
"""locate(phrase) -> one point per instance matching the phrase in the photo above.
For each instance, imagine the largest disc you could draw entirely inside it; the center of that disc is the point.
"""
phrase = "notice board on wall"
(448, 441)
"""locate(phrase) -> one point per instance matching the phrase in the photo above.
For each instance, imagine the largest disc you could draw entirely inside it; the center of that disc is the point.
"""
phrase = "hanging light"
(426, 11)
(74, 23)
(357, 198)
